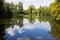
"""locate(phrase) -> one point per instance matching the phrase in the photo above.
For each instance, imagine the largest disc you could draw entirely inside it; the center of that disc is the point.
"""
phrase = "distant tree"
(39, 11)
(46, 11)
(30, 14)
(25, 12)
(34, 13)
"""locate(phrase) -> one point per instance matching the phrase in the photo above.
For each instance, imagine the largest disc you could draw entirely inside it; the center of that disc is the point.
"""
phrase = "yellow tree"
(55, 9)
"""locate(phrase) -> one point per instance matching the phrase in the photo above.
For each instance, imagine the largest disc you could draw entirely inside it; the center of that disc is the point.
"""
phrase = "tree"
(1, 9)
(34, 13)
(55, 10)
(2, 12)
(46, 11)
(40, 13)
(30, 14)
(25, 12)
(55, 29)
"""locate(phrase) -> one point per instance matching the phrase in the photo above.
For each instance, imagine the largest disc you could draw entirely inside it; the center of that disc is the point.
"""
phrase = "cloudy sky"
(37, 3)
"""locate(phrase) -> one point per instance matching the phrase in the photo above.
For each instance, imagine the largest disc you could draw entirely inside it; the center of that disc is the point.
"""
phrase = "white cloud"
(18, 28)
(29, 26)
(25, 21)
(10, 31)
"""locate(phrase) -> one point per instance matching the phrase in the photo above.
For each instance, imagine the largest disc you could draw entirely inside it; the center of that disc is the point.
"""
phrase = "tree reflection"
(2, 32)
(55, 26)
(55, 30)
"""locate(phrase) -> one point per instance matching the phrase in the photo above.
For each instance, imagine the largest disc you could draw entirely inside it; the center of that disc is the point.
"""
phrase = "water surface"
(36, 31)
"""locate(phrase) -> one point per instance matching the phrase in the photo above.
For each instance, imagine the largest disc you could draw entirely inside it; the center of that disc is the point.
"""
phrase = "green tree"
(5, 16)
(55, 9)
(34, 13)
(30, 9)
(55, 29)
(2, 12)
(40, 13)
(46, 11)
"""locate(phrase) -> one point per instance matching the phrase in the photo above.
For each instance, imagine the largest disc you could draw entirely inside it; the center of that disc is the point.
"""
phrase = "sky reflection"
(35, 31)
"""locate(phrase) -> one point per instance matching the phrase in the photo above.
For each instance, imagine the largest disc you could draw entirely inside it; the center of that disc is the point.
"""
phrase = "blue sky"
(26, 3)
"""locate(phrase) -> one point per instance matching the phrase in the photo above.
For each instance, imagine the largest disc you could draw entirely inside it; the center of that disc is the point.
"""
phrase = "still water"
(36, 31)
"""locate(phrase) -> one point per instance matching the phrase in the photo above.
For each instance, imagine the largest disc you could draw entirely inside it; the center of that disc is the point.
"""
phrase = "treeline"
(39, 13)
(14, 12)
(53, 10)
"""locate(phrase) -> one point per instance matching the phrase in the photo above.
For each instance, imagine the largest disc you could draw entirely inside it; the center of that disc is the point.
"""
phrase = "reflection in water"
(35, 31)
(23, 38)
(2, 32)
(55, 30)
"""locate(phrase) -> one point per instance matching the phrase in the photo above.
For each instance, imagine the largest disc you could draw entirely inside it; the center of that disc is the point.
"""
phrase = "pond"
(30, 31)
